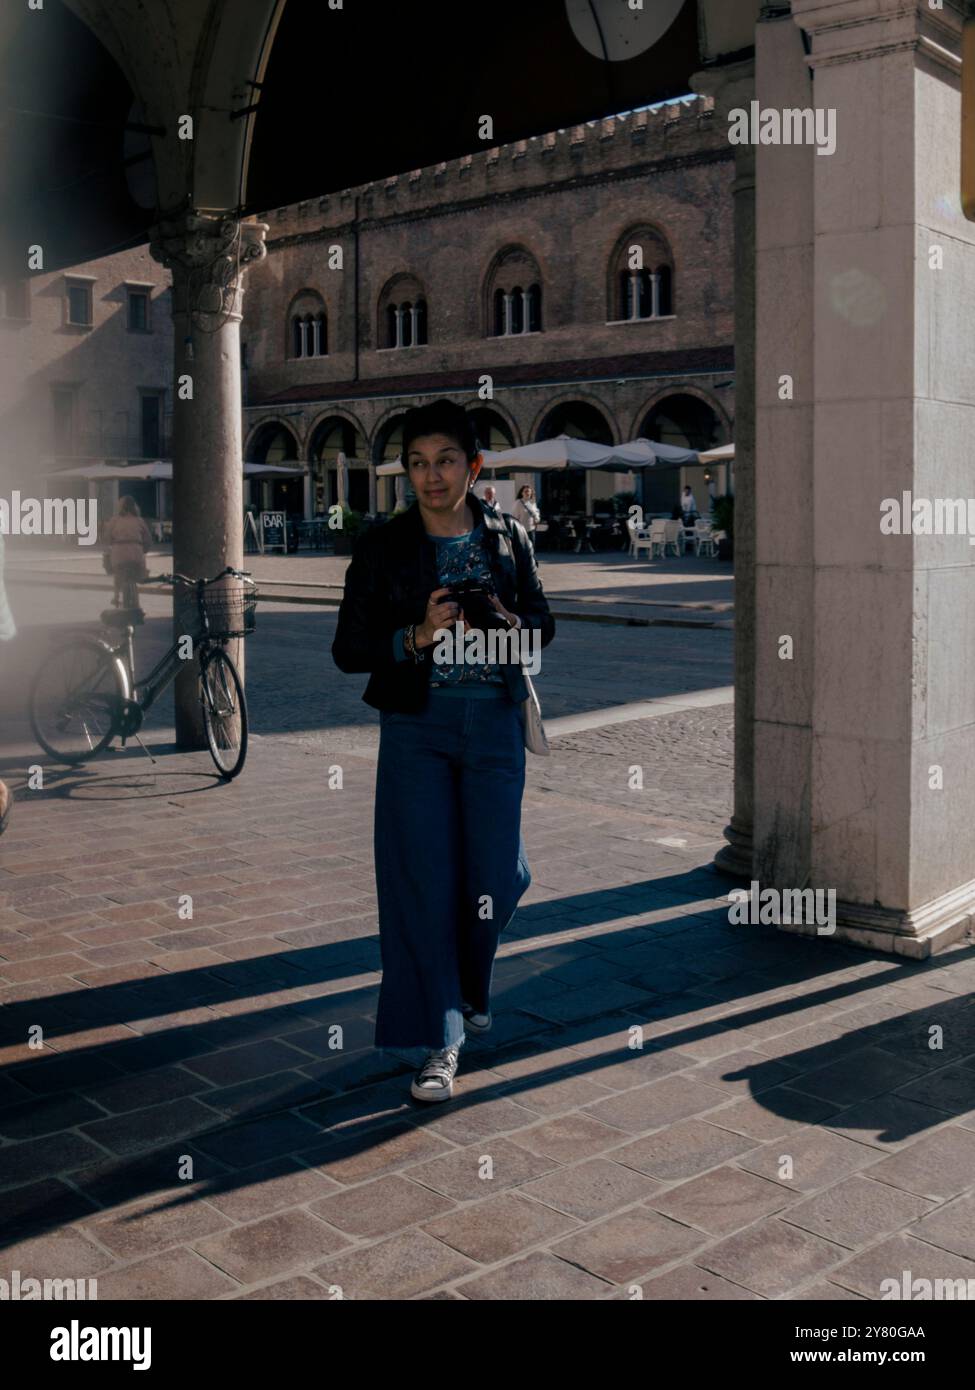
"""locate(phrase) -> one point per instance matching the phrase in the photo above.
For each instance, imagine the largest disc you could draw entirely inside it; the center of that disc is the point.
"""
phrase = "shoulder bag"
(536, 740)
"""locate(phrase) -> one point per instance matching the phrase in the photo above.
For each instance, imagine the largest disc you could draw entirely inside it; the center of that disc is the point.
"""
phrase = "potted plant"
(621, 502)
(723, 519)
(343, 537)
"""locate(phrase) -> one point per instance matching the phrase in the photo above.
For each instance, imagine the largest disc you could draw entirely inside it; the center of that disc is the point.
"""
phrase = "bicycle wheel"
(76, 700)
(224, 712)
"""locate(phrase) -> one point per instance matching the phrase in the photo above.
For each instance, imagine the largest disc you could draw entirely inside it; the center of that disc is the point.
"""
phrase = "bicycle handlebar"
(185, 579)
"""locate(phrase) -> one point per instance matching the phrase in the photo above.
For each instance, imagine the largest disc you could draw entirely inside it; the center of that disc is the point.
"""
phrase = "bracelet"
(409, 643)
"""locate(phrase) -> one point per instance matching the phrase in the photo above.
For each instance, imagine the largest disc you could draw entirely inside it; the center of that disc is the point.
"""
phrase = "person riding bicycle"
(127, 539)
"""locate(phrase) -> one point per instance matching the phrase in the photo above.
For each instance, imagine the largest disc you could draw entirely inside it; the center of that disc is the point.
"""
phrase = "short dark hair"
(440, 417)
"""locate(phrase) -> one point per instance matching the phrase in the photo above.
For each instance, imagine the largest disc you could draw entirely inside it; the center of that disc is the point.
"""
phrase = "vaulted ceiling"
(293, 99)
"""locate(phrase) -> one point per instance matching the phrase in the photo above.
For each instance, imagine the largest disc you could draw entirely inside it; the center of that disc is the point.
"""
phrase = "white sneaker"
(476, 1023)
(435, 1079)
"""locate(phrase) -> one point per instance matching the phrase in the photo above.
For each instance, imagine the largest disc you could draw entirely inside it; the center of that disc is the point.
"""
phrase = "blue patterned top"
(459, 558)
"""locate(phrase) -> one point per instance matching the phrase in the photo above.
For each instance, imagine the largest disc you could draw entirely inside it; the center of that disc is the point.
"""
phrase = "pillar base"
(918, 933)
(736, 857)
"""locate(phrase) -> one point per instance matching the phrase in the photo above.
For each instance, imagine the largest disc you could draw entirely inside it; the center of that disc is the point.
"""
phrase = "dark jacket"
(389, 581)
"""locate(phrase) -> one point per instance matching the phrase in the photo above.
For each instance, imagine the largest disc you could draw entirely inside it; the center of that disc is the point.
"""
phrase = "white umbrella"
(161, 471)
(724, 454)
(567, 452)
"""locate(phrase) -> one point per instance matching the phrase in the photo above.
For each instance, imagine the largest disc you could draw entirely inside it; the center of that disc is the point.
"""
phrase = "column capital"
(207, 255)
(850, 31)
(729, 85)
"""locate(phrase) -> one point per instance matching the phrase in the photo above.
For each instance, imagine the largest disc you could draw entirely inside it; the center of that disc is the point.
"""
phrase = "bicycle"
(85, 692)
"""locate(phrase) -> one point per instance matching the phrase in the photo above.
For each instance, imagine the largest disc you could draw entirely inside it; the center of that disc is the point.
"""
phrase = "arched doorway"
(274, 445)
(687, 422)
(387, 449)
(570, 491)
(492, 429)
(332, 437)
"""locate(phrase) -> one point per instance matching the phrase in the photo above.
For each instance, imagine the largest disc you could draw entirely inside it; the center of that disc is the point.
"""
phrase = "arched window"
(510, 307)
(643, 290)
(403, 313)
(308, 330)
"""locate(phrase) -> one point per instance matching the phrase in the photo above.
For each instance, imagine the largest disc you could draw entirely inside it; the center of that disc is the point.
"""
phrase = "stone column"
(414, 316)
(655, 295)
(307, 499)
(734, 86)
(876, 710)
(634, 295)
(507, 314)
(785, 521)
(207, 256)
(399, 328)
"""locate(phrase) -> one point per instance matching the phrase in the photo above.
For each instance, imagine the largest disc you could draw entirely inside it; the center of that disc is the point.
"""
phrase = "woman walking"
(526, 511)
(128, 539)
(450, 861)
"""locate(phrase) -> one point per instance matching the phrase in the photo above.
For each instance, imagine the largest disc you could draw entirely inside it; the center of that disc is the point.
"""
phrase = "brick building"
(587, 272)
(86, 360)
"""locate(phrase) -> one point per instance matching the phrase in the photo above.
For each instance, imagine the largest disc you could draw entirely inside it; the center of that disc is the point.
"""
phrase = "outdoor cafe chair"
(658, 538)
(674, 536)
(640, 538)
(704, 538)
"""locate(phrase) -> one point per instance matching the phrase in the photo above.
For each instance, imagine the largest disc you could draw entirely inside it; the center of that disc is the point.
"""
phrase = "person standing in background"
(128, 538)
(490, 499)
(526, 511)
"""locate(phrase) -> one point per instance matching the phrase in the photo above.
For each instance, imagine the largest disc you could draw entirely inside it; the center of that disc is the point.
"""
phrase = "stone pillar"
(507, 314)
(399, 328)
(634, 295)
(414, 316)
(655, 295)
(785, 463)
(307, 498)
(206, 256)
(872, 721)
(734, 86)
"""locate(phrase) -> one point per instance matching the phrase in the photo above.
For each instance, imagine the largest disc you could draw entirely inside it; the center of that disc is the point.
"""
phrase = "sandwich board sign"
(274, 532)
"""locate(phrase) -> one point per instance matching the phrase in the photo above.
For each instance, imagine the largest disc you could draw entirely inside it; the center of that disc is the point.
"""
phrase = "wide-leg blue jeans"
(450, 861)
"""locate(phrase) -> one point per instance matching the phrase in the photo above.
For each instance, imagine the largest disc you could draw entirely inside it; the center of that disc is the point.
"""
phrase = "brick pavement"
(189, 1129)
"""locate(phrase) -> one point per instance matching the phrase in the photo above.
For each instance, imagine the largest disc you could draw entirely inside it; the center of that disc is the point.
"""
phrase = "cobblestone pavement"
(185, 1125)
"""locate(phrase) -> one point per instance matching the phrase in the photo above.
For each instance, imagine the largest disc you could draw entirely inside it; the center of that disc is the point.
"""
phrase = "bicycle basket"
(231, 609)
